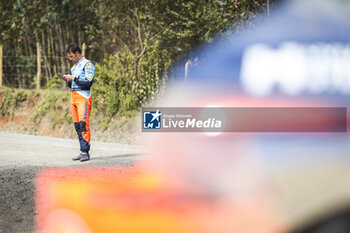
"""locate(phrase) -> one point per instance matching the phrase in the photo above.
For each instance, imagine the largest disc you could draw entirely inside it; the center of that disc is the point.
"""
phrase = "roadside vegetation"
(47, 112)
(133, 44)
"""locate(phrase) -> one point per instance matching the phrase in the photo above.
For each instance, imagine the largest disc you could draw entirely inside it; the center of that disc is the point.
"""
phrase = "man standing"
(80, 81)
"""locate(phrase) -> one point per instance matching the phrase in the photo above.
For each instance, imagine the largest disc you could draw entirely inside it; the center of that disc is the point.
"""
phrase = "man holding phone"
(80, 81)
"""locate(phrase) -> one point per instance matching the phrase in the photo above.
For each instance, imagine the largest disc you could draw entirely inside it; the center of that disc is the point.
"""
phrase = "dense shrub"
(124, 82)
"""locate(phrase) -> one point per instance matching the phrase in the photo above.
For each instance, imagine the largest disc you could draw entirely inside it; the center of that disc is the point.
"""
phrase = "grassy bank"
(47, 113)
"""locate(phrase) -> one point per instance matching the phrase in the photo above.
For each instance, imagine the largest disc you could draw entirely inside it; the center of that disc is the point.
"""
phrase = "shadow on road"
(114, 156)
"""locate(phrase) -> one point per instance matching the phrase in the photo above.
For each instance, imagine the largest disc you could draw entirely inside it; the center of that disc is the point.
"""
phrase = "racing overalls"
(81, 100)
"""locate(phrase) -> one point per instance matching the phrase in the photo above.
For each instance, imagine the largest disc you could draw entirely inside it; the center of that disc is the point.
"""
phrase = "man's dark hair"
(73, 48)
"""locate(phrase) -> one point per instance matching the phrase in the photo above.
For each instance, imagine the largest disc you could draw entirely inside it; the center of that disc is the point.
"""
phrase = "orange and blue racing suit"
(81, 100)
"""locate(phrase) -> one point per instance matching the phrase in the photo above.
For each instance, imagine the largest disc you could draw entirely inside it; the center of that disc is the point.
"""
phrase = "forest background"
(133, 43)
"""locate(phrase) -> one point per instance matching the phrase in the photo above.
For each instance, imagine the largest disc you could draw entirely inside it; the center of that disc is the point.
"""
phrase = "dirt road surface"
(22, 156)
(308, 187)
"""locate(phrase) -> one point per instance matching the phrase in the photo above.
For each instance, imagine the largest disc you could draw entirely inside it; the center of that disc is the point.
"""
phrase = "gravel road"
(22, 156)
(307, 188)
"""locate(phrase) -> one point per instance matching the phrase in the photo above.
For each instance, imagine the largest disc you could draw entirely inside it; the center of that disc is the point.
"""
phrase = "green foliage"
(47, 104)
(60, 119)
(104, 122)
(147, 37)
(124, 82)
(19, 98)
(11, 100)
(54, 83)
(177, 26)
(6, 103)
(54, 103)
(132, 42)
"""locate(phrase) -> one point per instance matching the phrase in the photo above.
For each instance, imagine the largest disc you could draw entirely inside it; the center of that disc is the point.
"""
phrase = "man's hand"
(68, 77)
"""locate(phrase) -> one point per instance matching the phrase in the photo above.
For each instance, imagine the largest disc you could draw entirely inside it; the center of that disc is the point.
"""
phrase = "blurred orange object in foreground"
(126, 200)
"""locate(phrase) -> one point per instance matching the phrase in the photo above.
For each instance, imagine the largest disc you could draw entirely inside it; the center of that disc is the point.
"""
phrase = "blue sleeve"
(88, 79)
(69, 84)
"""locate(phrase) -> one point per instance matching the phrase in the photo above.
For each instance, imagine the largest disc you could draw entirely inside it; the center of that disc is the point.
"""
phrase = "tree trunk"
(79, 39)
(53, 52)
(38, 62)
(1, 58)
(47, 65)
(83, 49)
(63, 67)
(49, 58)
